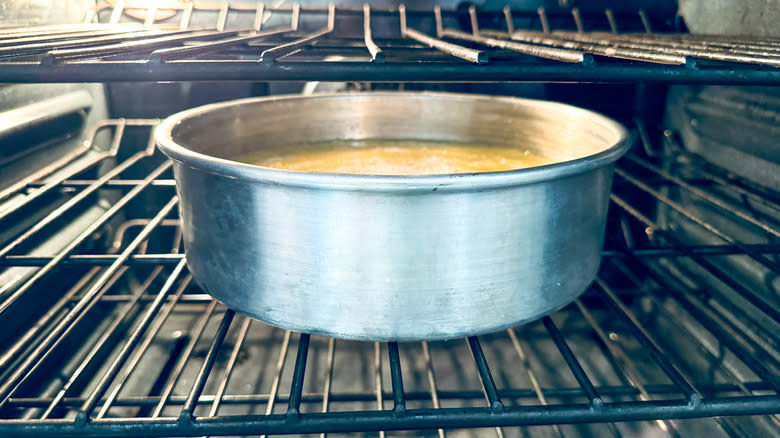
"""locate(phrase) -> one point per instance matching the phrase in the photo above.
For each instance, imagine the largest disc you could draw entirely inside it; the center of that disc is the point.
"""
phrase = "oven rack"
(266, 43)
(87, 394)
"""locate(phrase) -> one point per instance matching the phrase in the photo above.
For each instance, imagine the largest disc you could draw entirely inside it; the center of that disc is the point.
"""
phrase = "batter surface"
(395, 157)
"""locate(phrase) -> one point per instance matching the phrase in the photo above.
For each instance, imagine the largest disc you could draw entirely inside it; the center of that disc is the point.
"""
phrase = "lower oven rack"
(137, 288)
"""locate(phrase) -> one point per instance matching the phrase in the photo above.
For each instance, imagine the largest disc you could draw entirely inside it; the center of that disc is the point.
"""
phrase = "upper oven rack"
(88, 392)
(265, 43)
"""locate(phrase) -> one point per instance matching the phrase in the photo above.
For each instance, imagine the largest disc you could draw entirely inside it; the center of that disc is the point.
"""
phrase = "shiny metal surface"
(392, 257)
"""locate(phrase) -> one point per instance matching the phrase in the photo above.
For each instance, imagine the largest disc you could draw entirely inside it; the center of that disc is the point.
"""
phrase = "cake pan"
(392, 257)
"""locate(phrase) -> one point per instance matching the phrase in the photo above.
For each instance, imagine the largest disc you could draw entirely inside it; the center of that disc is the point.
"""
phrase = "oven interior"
(105, 334)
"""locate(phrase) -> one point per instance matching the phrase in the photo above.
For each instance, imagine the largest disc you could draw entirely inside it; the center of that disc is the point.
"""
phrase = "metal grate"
(102, 358)
(263, 43)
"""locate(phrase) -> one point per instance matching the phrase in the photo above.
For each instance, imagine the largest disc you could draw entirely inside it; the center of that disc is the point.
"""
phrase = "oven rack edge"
(580, 51)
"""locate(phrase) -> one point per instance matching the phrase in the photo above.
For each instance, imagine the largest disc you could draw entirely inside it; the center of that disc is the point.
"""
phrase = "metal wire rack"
(74, 367)
(263, 43)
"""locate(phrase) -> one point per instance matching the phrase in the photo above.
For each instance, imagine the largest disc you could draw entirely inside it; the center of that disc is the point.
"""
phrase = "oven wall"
(737, 128)
(734, 127)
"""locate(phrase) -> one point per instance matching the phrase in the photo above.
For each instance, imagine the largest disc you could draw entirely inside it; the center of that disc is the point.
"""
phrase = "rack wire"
(71, 369)
(242, 44)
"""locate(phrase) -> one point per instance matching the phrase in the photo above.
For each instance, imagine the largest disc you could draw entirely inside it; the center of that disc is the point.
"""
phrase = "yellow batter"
(395, 157)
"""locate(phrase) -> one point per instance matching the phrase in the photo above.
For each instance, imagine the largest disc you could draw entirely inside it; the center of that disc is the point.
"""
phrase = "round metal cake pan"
(392, 257)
